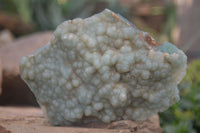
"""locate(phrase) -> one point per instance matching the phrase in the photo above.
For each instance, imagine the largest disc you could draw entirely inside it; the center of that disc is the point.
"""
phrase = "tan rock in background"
(5, 37)
(15, 91)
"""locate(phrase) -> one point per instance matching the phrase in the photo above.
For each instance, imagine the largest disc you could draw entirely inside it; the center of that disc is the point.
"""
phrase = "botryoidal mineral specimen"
(103, 68)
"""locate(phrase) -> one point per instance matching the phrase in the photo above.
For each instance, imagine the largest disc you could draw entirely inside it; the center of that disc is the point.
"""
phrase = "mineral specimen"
(103, 68)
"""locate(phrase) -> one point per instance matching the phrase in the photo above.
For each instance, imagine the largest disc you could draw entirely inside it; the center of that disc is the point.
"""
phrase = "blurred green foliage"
(47, 14)
(170, 20)
(184, 116)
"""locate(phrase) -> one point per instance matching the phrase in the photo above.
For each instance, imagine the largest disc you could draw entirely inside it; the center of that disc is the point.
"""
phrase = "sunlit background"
(176, 21)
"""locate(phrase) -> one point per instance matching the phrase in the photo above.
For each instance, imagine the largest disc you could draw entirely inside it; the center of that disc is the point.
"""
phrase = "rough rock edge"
(4, 130)
(14, 90)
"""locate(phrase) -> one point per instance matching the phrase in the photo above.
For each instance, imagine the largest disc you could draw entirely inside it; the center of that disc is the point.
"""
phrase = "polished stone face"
(103, 68)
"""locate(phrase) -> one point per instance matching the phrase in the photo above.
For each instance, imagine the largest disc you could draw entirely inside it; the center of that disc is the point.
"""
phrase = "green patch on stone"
(167, 47)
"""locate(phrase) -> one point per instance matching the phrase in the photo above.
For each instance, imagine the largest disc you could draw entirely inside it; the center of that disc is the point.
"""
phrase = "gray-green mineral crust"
(103, 68)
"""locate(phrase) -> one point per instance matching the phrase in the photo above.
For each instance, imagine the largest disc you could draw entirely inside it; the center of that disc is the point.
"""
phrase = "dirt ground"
(31, 120)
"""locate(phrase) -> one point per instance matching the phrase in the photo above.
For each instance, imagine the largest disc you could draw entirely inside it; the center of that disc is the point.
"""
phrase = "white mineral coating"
(103, 68)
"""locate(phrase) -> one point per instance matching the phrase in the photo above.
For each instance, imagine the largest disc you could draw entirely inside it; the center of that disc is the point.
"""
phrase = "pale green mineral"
(168, 48)
(103, 68)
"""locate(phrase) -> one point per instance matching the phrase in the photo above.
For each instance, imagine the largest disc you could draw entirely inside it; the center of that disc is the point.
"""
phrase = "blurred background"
(26, 25)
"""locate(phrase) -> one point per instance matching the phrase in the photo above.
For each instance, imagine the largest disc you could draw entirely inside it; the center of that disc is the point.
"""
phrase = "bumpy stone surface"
(103, 68)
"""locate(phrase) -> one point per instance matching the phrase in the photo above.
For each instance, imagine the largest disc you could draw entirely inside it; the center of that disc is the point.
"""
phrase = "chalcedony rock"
(103, 68)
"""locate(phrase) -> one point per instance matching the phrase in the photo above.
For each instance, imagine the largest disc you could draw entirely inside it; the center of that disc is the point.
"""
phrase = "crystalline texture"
(105, 68)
